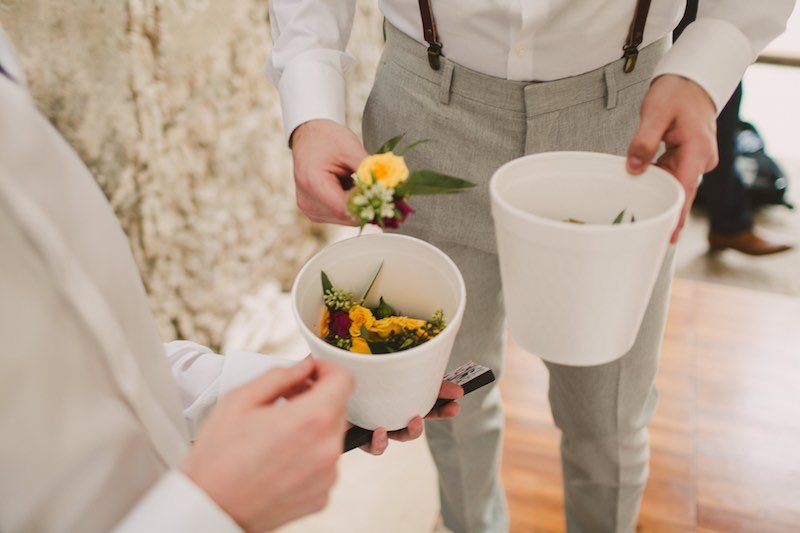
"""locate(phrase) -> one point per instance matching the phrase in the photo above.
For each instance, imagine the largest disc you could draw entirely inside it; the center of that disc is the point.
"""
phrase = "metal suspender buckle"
(434, 53)
(630, 51)
(630, 54)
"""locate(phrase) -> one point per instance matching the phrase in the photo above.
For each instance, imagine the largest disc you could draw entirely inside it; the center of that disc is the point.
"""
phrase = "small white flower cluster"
(373, 202)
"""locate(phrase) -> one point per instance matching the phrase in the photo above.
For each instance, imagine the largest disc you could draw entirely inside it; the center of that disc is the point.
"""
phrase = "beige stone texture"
(167, 103)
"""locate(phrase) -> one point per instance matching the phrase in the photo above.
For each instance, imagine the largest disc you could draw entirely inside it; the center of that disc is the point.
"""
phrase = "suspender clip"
(631, 53)
(434, 53)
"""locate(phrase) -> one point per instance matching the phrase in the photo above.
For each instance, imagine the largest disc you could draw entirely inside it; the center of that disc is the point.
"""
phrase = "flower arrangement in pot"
(396, 358)
(395, 338)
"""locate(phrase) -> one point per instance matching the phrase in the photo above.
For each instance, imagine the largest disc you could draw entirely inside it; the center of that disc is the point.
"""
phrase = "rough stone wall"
(167, 103)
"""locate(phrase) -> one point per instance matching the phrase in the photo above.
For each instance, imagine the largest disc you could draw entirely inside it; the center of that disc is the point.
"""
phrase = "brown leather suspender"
(430, 33)
(630, 49)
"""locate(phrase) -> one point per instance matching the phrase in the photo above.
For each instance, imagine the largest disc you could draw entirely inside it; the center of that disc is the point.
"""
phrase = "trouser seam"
(617, 505)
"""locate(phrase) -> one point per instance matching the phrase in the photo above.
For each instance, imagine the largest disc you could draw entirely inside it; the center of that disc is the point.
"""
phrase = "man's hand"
(266, 462)
(679, 112)
(380, 437)
(323, 151)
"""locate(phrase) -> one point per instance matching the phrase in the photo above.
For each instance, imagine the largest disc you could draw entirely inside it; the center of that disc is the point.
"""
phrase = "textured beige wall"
(167, 103)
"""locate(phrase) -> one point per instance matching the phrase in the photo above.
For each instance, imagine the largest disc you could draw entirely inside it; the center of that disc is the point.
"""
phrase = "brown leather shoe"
(749, 242)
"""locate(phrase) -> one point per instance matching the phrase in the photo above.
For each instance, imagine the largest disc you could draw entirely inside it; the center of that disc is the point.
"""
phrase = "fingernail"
(635, 162)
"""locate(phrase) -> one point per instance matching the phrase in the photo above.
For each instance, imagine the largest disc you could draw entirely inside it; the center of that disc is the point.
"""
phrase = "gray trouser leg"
(477, 123)
(467, 448)
(603, 412)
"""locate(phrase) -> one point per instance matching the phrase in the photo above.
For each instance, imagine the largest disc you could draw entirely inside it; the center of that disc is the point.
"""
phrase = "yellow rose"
(360, 316)
(360, 346)
(388, 169)
(396, 324)
(324, 322)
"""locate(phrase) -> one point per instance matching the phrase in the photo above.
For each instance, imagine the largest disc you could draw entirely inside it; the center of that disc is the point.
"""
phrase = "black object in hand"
(471, 377)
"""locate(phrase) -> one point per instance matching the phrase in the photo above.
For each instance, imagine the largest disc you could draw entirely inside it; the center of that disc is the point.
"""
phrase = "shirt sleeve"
(176, 505)
(308, 58)
(203, 376)
(726, 38)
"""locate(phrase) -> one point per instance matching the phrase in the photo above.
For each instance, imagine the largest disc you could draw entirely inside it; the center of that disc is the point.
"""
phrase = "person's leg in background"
(729, 211)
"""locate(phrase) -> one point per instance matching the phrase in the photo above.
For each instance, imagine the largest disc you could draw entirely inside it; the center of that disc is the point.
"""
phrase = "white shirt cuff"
(311, 89)
(176, 505)
(242, 367)
(712, 53)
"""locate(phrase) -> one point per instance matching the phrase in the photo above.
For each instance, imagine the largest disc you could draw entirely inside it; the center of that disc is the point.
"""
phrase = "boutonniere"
(382, 186)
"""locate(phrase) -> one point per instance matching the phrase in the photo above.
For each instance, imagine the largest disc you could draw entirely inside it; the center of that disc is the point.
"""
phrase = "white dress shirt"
(94, 427)
(526, 40)
(203, 376)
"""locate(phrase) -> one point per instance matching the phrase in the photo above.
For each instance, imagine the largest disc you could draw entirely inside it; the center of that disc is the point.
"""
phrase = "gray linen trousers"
(476, 123)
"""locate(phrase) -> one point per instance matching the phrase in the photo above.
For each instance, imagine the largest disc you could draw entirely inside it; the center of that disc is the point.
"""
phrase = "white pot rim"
(640, 225)
(372, 358)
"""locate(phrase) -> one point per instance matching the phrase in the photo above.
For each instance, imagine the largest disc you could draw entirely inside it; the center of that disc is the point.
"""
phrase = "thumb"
(275, 383)
(652, 127)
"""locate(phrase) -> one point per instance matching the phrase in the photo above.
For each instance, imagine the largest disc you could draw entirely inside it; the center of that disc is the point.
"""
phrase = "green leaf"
(410, 146)
(423, 182)
(389, 145)
(374, 278)
(619, 218)
(326, 283)
(407, 344)
(379, 347)
(383, 310)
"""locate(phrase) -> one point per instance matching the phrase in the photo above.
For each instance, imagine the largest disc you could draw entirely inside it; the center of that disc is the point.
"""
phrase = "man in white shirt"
(488, 82)
(94, 436)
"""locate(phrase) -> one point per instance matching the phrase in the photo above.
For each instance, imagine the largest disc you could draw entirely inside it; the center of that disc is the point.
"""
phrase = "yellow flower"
(360, 316)
(360, 346)
(324, 329)
(388, 169)
(396, 324)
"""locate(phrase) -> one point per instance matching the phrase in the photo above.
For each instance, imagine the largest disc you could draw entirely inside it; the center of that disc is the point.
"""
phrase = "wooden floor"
(726, 437)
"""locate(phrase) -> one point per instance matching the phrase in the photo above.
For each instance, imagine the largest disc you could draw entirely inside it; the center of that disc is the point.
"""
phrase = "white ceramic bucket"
(416, 279)
(576, 294)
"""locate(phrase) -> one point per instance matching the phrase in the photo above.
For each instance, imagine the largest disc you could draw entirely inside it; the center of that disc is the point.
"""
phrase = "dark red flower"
(404, 209)
(340, 323)
(391, 223)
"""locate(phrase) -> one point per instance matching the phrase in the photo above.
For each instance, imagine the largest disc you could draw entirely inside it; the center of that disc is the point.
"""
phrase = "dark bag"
(765, 182)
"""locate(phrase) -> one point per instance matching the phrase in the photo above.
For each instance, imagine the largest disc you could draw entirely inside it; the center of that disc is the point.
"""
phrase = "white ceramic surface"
(576, 294)
(417, 279)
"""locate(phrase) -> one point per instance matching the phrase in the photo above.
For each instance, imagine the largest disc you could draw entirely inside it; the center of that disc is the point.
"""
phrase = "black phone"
(470, 376)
